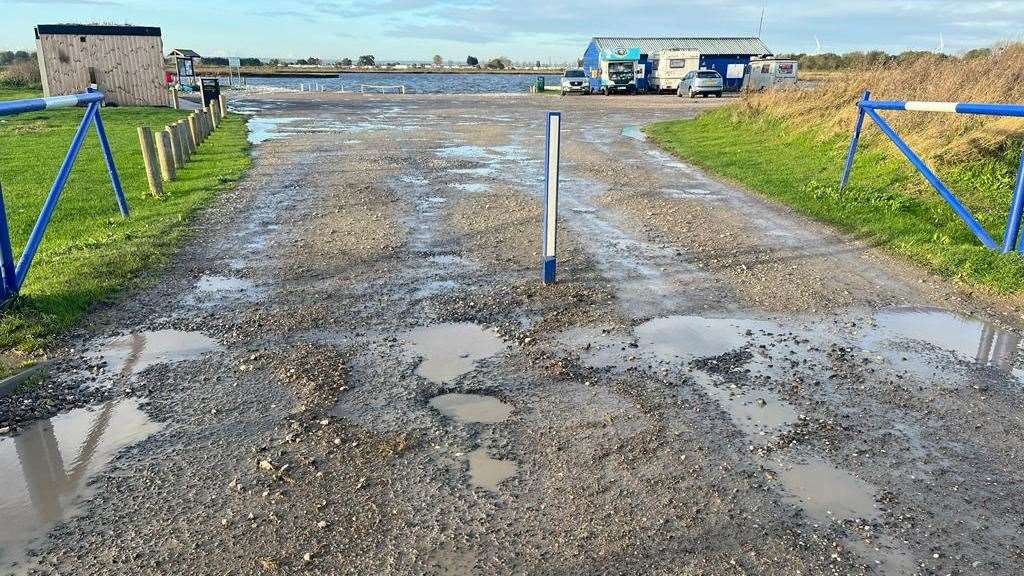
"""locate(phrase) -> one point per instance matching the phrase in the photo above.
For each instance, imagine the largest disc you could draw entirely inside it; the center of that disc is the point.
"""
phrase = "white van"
(767, 73)
(669, 66)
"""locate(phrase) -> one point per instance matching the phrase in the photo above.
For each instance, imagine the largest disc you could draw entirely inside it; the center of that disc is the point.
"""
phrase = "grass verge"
(886, 202)
(89, 252)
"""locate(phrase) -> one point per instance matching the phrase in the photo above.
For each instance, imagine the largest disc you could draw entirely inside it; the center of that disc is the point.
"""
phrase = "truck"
(669, 66)
(613, 70)
(764, 73)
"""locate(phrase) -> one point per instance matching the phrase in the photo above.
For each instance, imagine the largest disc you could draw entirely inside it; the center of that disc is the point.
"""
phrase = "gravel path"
(352, 369)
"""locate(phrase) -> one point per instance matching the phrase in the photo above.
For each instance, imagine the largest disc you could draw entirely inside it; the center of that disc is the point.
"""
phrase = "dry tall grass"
(945, 137)
(23, 74)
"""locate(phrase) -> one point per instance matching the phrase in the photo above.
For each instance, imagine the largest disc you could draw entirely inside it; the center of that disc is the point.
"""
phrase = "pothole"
(488, 473)
(137, 351)
(471, 408)
(452, 349)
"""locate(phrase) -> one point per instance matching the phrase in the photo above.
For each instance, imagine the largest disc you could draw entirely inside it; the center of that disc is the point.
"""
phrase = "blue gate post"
(551, 156)
(853, 141)
(9, 285)
(122, 204)
(1016, 206)
(36, 236)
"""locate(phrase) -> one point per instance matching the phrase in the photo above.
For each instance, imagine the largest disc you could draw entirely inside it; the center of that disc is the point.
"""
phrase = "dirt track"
(715, 386)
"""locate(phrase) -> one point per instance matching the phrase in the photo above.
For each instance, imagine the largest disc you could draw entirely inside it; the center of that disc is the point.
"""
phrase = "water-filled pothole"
(486, 472)
(452, 349)
(826, 492)
(634, 132)
(688, 337)
(137, 351)
(47, 468)
(215, 283)
(470, 408)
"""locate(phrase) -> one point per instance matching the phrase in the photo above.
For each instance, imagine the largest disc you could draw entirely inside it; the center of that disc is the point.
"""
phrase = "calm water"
(422, 83)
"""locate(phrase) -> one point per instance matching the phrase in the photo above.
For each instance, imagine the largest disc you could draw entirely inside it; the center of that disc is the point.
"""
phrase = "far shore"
(282, 72)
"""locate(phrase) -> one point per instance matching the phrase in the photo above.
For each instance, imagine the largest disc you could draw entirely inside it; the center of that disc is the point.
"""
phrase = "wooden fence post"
(214, 114)
(149, 159)
(223, 107)
(175, 103)
(166, 152)
(193, 130)
(179, 159)
(190, 147)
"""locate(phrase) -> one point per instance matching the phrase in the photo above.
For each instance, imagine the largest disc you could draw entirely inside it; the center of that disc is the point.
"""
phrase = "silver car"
(575, 80)
(701, 82)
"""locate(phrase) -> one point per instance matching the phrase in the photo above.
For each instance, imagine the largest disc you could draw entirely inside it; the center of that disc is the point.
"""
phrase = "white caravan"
(770, 72)
(669, 66)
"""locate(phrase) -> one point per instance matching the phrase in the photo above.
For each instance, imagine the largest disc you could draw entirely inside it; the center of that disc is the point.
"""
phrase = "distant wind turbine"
(942, 44)
(818, 44)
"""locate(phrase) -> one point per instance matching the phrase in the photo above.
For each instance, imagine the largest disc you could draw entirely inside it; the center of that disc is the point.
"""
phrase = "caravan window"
(785, 67)
(766, 68)
(677, 63)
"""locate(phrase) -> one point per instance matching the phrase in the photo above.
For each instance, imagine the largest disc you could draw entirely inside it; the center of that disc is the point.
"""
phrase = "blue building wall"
(720, 63)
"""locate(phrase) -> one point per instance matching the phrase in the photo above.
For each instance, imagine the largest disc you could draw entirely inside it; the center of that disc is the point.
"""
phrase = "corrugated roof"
(706, 45)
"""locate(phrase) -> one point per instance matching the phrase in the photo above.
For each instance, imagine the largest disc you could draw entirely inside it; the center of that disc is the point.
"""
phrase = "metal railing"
(14, 274)
(382, 88)
(868, 107)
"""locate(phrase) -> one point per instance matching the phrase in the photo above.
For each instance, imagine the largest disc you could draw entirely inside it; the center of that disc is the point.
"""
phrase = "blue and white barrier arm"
(948, 107)
(551, 156)
(12, 107)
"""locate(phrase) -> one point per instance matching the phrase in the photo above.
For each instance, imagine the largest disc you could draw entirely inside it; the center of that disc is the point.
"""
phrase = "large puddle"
(452, 349)
(470, 408)
(46, 469)
(136, 352)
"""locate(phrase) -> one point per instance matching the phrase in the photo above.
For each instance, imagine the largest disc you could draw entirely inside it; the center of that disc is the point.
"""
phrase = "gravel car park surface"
(353, 369)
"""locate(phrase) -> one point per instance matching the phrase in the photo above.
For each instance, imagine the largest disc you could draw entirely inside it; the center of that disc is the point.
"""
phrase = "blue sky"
(522, 29)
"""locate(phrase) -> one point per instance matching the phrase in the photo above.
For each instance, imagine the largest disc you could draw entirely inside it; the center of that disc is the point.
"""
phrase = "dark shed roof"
(87, 29)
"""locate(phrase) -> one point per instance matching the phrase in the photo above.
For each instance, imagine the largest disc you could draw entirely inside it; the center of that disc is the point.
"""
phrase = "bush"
(21, 74)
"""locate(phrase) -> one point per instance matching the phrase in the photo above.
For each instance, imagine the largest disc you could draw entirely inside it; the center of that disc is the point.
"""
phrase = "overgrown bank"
(790, 147)
(89, 252)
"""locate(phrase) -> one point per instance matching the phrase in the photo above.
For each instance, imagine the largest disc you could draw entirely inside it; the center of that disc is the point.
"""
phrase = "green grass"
(17, 92)
(886, 202)
(89, 252)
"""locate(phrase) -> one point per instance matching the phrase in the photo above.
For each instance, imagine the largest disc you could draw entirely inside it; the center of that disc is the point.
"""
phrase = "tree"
(499, 63)
(250, 62)
(367, 60)
(537, 64)
(313, 61)
(345, 62)
(438, 60)
(472, 61)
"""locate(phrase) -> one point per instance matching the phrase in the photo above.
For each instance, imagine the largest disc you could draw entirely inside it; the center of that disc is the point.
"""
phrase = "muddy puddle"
(825, 492)
(488, 473)
(968, 339)
(452, 349)
(472, 408)
(759, 413)
(634, 132)
(263, 128)
(135, 352)
(214, 283)
(46, 469)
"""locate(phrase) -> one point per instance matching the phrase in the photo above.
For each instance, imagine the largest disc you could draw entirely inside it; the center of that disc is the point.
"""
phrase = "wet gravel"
(705, 391)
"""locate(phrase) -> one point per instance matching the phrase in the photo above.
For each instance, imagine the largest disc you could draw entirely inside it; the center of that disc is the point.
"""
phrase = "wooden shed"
(126, 62)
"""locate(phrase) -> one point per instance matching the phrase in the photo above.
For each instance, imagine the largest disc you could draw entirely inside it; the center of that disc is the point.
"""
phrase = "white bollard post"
(551, 156)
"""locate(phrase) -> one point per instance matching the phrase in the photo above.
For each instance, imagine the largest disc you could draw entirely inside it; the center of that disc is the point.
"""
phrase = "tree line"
(872, 59)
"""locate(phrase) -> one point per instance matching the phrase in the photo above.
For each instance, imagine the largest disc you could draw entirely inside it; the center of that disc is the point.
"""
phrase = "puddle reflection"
(48, 466)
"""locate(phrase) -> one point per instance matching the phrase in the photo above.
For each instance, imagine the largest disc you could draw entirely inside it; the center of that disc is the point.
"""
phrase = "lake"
(414, 83)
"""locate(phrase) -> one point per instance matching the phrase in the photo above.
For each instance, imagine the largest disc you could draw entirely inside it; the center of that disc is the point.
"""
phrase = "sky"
(524, 30)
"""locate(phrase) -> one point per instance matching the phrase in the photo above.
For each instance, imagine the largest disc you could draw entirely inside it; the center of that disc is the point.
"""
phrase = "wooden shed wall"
(128, 69)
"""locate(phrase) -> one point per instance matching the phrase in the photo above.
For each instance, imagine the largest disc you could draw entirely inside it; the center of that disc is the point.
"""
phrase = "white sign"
(235, 62)
(735, 71)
